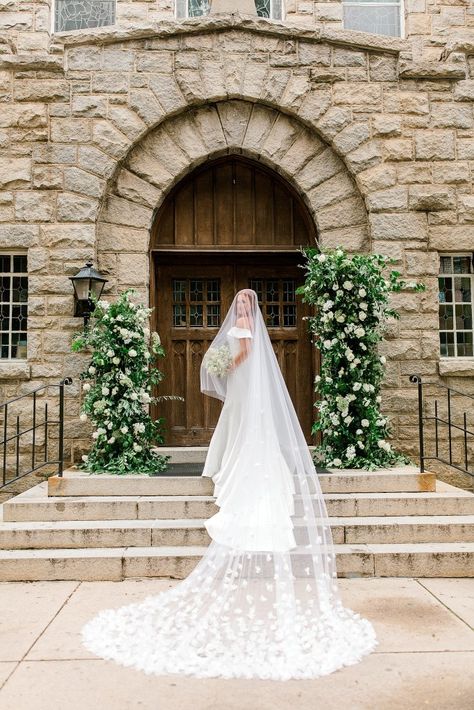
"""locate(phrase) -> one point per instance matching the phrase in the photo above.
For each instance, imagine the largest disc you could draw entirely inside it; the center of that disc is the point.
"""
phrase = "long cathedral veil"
(263, 601)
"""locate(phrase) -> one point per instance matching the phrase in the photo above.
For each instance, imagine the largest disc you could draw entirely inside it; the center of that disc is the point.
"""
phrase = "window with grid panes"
(273, 9)
(13, 306)
(196, 303)
(382, 17)
(456, 302)
(82, 14)
(277, 300)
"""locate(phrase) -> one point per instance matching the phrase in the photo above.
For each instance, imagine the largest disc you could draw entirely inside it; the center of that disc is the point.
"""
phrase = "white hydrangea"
(350, 452)
(139, 428)
(328, 305)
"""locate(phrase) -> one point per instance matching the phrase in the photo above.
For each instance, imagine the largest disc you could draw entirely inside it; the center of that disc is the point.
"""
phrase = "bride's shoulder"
(239, 331)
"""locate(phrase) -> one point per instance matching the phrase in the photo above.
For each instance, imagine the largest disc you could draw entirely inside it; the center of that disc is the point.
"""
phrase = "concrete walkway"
(425, 656)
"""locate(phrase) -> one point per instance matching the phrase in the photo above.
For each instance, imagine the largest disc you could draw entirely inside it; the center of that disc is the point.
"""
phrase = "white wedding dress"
(263, 601)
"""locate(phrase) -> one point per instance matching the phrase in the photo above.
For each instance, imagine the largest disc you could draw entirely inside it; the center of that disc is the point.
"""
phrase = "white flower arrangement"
(218, 361)
(351, 295)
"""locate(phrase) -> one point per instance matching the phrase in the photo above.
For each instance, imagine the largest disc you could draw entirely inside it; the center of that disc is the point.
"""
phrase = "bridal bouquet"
(217, 361)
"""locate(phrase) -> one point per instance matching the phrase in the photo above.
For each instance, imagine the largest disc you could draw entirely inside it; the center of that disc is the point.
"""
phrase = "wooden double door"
(192, 293)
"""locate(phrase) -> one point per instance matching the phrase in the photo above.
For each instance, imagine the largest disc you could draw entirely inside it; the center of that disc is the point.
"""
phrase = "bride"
(263, 601)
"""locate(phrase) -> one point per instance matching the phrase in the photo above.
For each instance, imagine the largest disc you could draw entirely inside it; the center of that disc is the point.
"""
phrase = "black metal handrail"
(422, 418)
(45, 423)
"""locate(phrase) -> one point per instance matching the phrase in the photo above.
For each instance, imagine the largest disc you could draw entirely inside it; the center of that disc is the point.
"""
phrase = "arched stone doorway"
(230, 223)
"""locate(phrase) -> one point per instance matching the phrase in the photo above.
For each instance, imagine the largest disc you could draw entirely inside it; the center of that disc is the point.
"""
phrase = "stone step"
(184, 533)
(79, 483)
(450, 559)
(35, 505)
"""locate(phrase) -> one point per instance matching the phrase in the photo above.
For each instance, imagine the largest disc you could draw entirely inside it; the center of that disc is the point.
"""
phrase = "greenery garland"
(117, 385)
(351, 298)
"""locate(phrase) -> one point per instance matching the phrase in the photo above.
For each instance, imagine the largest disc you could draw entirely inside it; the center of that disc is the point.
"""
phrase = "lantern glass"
(82, 289)
(97, 287)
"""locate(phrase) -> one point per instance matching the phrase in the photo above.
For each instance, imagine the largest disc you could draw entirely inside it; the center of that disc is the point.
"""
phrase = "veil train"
(263, 601)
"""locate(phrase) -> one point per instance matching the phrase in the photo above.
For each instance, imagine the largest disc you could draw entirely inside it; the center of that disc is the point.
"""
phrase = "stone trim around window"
(456, 367)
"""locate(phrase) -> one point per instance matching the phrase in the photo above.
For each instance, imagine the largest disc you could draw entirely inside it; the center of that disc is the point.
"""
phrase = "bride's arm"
(245, 347)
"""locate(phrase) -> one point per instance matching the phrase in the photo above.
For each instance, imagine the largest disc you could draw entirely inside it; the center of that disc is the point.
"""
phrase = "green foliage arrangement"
(117, 385)
(351, 297)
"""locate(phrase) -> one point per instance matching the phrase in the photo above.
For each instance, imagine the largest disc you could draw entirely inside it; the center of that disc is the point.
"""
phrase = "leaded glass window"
(193, 8)
(277, 300)
(196, 303)
(13, 306)
(81, 14)
(382, 17)
(456, 302)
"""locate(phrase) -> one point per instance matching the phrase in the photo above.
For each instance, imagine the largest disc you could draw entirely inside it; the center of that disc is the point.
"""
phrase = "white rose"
(359, 332)
(86, 387)
(137, 447)
(363, 306)
(132, 353)
(348, 285)
(92, 370)
(105, 391)
(83, 417)
(362, 315)
(111, 440)
(124, 429)
(336, 462)
(110, 353)
(116, 361)
(85, 457)
(327, 343)
(341, 318)
(321, 258)
(365, 422)
(362, 292)
(383, 359)
(134, 396)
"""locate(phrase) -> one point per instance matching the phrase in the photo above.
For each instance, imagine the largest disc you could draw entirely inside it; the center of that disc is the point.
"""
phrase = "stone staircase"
(393, 522)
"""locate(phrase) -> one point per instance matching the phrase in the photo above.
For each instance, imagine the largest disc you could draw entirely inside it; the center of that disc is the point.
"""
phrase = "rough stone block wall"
(95, 132)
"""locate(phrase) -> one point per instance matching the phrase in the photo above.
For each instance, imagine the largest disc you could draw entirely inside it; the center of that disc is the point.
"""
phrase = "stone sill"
(234, 21)
(453, 366)
(11, 370)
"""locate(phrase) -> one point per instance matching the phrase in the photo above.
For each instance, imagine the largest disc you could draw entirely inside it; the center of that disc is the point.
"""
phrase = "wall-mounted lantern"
(87, 281)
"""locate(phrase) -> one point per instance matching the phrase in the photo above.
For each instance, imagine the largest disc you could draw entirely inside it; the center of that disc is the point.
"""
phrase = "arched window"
(82, 14)
(272, 9)
(382, 17)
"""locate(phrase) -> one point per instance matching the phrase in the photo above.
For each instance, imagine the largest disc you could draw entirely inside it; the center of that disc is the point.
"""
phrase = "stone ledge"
(234, 21)
(15, 370)
(31, 62)
(431, 70)
(452, 366)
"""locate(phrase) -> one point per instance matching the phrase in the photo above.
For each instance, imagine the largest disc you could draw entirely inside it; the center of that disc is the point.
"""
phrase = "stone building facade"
(373, 134)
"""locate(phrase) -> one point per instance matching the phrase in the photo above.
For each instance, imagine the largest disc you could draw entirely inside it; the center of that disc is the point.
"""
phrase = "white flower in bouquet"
(217, 361)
